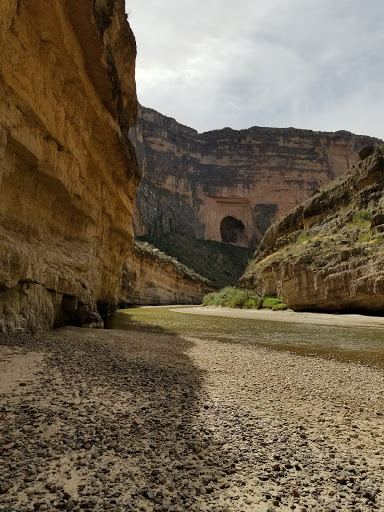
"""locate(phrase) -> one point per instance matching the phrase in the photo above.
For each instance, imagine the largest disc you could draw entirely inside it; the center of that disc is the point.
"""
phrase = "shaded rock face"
(152, 278)
(192, 182)
(328, 254)
(68, 171)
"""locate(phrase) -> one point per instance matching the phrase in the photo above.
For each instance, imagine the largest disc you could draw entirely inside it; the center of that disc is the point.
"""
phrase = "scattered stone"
(155, 447)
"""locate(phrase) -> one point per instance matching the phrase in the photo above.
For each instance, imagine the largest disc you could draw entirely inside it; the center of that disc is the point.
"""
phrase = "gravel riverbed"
(116, 420)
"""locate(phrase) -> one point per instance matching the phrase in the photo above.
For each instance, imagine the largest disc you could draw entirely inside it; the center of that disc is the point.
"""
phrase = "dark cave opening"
(231, 229)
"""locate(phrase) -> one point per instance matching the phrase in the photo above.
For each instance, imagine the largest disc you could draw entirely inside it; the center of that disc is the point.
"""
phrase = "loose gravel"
(116, 420)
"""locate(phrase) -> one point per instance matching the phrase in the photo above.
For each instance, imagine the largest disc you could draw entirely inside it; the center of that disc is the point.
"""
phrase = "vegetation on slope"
(232, 297)
(221, 263)
(149, 251)
(351, 235)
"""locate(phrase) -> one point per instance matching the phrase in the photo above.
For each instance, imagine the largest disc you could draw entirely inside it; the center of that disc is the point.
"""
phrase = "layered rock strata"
(328, 254)
(230, 185)
(68, 171)
(152, 278)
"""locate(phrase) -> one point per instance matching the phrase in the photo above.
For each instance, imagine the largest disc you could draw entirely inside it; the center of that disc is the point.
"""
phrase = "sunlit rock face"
(328, 254)
(152, 278)
(192, 182)
(68, 172)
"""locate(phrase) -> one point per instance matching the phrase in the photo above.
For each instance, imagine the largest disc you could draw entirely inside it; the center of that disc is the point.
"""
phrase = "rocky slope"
(68, 172)
(222, 264)
(328, 254)
(230, 185)
(150, 277)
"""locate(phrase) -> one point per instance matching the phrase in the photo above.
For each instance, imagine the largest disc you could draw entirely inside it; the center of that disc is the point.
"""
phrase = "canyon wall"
(68, 172)
(230, 185)
(328, 254)
(151, 277)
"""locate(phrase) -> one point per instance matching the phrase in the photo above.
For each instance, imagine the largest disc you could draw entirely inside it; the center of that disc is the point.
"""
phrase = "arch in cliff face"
(231, 230)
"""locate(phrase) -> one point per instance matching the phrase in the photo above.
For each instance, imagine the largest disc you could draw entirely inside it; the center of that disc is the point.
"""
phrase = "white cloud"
(305, 63)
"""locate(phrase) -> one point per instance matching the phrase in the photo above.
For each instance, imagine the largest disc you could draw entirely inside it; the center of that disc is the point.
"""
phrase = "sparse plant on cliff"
(363, 218)
(303, 237)
(364, 237)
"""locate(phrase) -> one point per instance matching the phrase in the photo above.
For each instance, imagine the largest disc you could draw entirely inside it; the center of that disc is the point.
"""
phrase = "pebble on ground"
(114, 420)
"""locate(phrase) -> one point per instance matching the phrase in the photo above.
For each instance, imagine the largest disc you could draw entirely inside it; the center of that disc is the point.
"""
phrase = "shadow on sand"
(116, 421)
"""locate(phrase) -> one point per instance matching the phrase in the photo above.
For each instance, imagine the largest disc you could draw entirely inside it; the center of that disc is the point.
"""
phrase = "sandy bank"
(114, 420)
(287, 316)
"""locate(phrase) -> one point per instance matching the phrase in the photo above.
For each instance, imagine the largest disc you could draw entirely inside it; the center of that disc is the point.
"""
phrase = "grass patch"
(362, 219)
(365, 237)
(303, 238)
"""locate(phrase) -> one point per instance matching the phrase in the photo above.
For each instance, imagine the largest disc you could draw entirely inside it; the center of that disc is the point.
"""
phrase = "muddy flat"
(119, 420)
(287, 316)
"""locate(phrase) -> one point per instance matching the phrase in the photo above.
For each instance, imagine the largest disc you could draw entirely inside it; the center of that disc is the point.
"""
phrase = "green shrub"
(251, 303)
(208, 299)
(280, 307)
(270, 302)
(232, 297)
(241, 298)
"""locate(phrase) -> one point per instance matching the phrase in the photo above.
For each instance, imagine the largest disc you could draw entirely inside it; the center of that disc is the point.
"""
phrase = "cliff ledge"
(328, 254)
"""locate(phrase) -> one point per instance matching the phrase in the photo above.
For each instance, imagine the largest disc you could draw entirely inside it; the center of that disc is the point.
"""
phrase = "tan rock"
(68, 171)
(230, 185)
(327, 254)
(152, 278)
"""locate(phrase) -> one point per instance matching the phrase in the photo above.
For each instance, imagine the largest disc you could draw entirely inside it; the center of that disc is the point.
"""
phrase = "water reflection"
(357, 344)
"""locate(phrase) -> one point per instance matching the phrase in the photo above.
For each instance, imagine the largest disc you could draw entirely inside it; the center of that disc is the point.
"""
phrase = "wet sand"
(117, 420)
(287, 316)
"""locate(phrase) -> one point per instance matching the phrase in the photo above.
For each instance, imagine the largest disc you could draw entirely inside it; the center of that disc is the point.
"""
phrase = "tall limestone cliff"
(68, 171)
(230, 185)
(328, 254)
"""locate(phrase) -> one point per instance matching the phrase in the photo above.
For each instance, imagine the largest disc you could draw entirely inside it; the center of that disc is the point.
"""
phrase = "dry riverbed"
(117, 420)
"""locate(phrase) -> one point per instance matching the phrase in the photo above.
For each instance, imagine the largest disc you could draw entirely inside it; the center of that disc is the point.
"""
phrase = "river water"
(363, 344)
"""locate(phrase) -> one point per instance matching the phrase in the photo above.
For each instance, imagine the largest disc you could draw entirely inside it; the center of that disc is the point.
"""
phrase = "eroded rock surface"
(328, 254)
(151, 277)
(68, 172)
(200, 184)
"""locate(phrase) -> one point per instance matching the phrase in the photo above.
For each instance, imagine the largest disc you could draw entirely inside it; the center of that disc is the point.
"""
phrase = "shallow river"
(358, 344)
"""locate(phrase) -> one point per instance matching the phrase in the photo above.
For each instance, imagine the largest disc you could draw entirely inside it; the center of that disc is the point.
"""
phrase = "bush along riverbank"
(232, 297)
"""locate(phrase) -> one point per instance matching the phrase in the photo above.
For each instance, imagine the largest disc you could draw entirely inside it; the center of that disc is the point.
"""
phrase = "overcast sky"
(314, 64)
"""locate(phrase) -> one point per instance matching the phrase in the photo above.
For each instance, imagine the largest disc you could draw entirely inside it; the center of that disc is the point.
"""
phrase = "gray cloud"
(303, 63)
